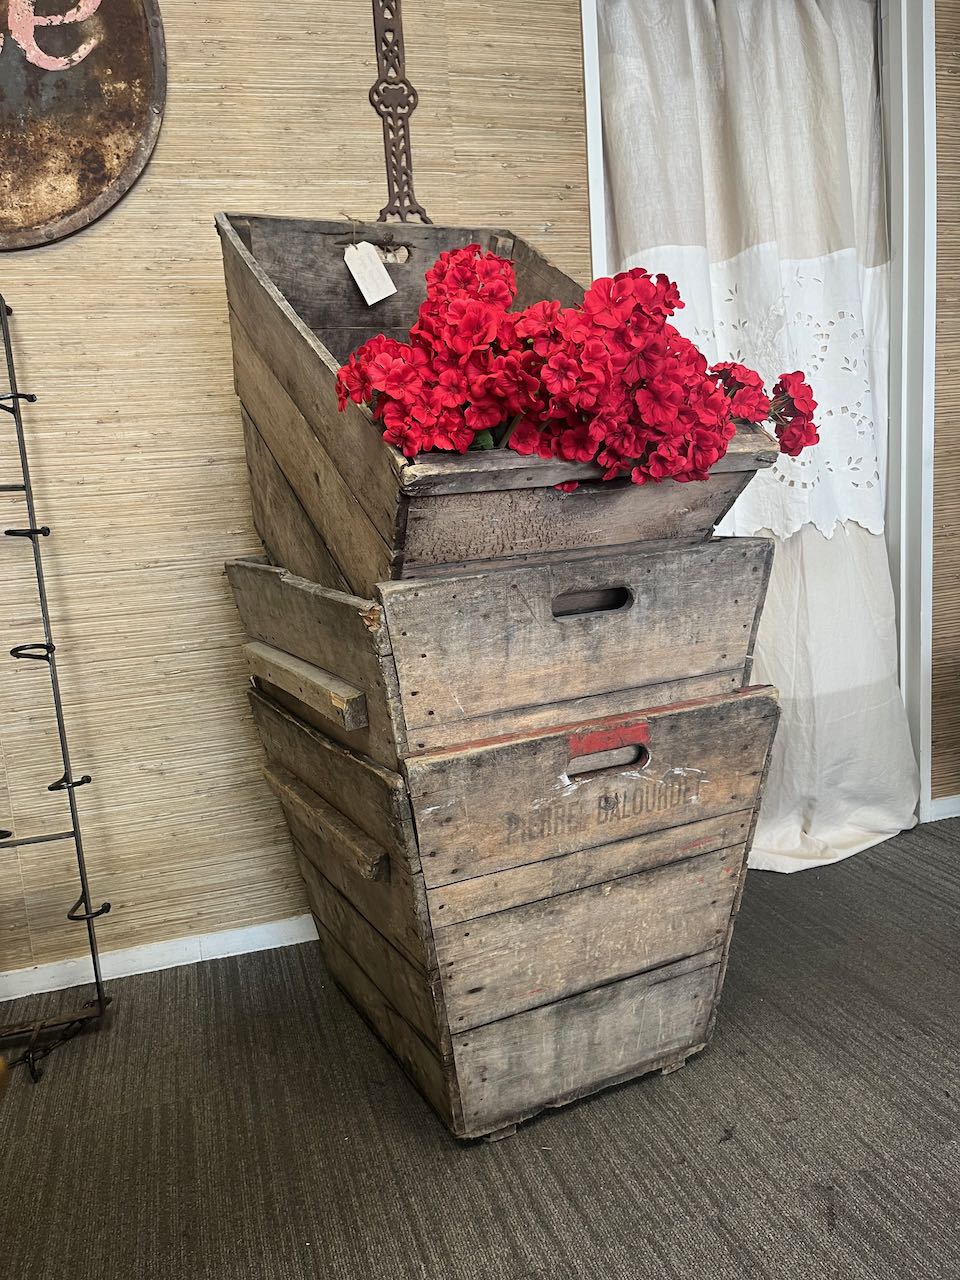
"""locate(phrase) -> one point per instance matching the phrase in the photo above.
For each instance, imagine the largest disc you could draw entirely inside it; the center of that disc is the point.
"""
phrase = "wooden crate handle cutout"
(574, 604)
(609, 749)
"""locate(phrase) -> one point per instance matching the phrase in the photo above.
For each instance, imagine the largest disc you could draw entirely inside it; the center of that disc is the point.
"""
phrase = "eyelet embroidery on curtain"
(803, 316)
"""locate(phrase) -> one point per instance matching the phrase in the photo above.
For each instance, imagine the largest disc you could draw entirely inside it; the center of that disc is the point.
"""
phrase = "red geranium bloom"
(470, 325)
(610, 381)
(748, 401)
(797, 436)
(608, 302)
(560, 374)
(394, 375)
(795, 387)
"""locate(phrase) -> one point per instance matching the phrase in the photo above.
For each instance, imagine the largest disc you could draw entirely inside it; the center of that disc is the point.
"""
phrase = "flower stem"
(510, 429)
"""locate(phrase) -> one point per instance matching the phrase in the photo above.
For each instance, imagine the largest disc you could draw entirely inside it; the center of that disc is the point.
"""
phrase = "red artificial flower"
(526, 437)
(483, 414)
(797, 436)
(795, 387)
(560, 373)
(394, 375)
(611, 381)
(748, 401)
(539, 317)
(792, 414)
(469, 325)
(608, 302)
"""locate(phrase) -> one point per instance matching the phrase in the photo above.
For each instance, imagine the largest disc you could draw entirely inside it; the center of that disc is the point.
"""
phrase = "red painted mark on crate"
(593, 741)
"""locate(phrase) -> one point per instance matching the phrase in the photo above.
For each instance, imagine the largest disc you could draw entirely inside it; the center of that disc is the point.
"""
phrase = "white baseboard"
(937, 810)
(157, 955)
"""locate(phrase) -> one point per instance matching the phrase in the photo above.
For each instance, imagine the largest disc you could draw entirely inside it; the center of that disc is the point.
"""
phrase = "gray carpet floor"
(237, 1121)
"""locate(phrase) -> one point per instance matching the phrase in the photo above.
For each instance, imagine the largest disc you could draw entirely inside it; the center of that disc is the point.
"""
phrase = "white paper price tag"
(372, 277)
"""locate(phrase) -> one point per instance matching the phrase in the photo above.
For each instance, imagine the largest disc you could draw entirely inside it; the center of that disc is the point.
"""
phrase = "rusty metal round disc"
(82, 91)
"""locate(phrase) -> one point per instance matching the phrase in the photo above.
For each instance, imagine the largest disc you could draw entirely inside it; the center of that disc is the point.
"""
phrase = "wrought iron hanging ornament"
(394, 99)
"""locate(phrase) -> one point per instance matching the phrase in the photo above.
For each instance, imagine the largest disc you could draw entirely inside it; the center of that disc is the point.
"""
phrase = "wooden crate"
(432, 662)
(332, 501)
(528, 919)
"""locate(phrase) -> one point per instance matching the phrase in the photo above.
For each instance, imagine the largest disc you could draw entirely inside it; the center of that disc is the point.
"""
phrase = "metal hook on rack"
(76, 914)
(68, 784)
(14, 396)
(39, 652)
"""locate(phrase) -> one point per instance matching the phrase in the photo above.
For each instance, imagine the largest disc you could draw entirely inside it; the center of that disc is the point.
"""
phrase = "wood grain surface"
(491, 806)
(335, 634)
(355, 544)
(465, 900)
(280, 520)
(339, 704)
(473, 645)
(545, 950)
(344, 843)
(558, 1052)
(373, 798)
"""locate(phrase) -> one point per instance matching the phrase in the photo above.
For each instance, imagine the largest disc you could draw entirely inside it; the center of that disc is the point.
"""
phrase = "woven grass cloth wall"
(946, 467)
(136, 439)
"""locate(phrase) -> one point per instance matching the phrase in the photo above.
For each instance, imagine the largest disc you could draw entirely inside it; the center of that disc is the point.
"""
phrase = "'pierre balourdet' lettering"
(567, 817)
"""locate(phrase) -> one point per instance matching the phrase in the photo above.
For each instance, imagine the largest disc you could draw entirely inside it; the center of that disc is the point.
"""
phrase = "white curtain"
(743, 156)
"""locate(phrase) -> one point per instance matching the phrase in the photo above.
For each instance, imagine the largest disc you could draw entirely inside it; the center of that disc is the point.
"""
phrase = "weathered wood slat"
(490, 806)
(306, 371)
(544, 559)
(304, 259)
(338, 702)
(330, 629)
(544, 1057)
(432, 1076)
(414, 993)
(474, 526)
(751, 449)
(343, 843)
(538, 280)
(465, 900)
(339, 633)
(619, 702)
(365, 742)
(372, 797)
(284, 527)
(363, 550)
(540, 952)
(383, 891)
(387, 905)
(473, 645)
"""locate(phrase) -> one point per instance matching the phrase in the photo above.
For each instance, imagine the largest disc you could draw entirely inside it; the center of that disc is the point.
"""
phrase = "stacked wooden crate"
(511, 729)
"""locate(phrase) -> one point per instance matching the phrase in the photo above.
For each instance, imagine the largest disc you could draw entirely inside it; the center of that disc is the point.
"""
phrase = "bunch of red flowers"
(611, 381)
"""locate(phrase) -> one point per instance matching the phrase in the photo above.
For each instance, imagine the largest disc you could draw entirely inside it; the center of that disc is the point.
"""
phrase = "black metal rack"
(43, 1035)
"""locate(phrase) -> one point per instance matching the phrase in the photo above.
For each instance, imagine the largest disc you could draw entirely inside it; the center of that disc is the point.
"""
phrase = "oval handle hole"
(616, 758)
(573, 604)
